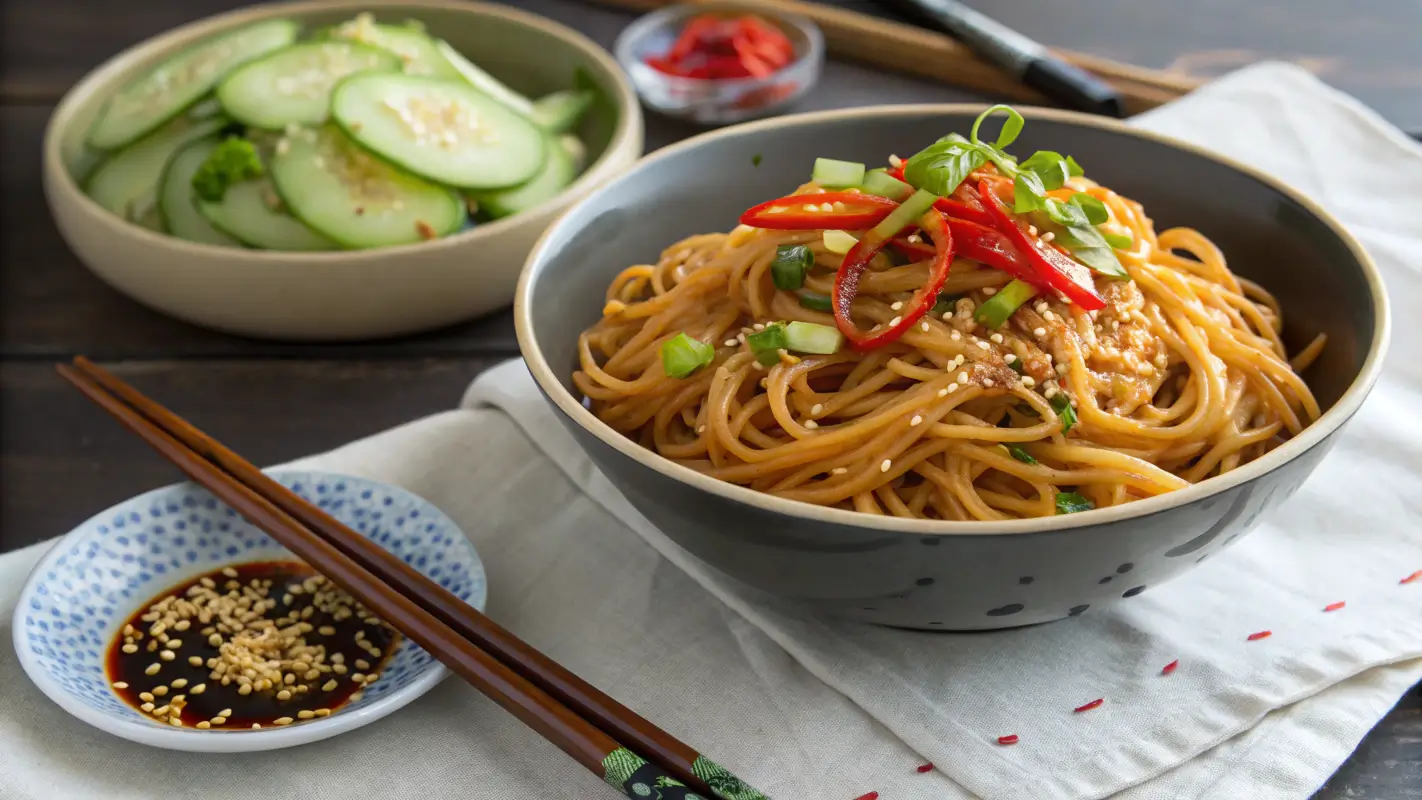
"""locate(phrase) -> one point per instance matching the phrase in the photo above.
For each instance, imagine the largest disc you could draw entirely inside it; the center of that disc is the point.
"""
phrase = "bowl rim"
(814, 51)
(1313, 435)
(626, 132)
(196, 741)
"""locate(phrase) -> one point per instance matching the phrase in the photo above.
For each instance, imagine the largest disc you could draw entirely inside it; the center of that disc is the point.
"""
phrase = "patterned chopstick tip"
(1010, 738)
(1171, 667)
(1334, 606)
(1254, 637)
(1413, 578)
(1093, 704)
(922, 768)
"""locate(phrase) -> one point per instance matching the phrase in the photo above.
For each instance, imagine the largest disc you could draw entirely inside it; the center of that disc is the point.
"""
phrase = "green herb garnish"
(1021, 455)
(755, 160)
(1071, 502)
(233, 161)
(791, 263)
(816, 302)
(683, 355)
(1061, 403)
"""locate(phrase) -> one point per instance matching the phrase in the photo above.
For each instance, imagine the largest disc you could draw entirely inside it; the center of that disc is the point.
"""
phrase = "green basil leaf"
(1011, 127)
(1074, 168)
(1021, 455)
(1094, 209)
(941, 167)
(1061, 403)
(1071, 503)
(1088, 245)
(1027, 193)
(1120, 241)
(1049, 166)
(1065, 214)
(1102, 259)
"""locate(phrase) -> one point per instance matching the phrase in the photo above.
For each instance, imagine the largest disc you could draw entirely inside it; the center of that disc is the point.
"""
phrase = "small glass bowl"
(717, 102)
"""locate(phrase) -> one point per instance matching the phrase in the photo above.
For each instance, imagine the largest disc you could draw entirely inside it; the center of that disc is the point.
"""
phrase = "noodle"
(1180, 377)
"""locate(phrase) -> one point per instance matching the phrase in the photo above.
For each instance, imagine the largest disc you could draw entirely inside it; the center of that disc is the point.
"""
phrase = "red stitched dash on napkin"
(1334, 606)
(925, 768)
(1093, 704)
(1169, 668)
(1254, 637)
(870, 796)
(1416, 576)
(1011, 738)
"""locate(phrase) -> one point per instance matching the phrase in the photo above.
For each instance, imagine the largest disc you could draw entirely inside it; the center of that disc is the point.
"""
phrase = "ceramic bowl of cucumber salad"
(337, 169)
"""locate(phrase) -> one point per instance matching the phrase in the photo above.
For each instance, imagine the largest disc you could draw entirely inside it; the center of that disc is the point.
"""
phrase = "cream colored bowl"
(347, 294)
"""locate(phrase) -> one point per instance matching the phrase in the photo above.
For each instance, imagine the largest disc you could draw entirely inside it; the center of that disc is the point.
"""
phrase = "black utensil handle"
(1073, 87)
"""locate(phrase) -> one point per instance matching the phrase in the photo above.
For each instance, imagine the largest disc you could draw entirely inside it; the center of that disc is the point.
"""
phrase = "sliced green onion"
(840, 242)
(995, 311)
(767, 344)
(816, 302)
(881, 183)
(905, 215)
(810, 337)
(1120, 241)
(1061, 403)
(1071, 502)
(834, 174)
(683, 355)
(1020, 454)
(791, 263)
(945, 304)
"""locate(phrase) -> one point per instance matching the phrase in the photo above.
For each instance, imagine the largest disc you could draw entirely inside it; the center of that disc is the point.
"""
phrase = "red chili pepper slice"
(789, 213)
(980, 243)
(691, 37)
(1053, 267)
(856, 261)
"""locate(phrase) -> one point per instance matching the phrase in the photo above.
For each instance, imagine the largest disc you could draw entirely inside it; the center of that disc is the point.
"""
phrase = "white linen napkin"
(805, 707)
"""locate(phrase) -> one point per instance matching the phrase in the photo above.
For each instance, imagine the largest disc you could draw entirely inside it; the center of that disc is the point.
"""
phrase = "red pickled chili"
(714, 47)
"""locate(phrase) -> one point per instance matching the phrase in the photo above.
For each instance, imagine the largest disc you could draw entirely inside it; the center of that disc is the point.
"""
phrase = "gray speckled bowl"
(934, 574)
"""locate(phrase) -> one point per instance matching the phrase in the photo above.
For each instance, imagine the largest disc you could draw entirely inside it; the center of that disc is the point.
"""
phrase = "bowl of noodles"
(940, 368)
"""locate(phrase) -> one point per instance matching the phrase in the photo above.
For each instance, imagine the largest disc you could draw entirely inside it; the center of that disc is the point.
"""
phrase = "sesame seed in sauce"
(897, 305)
(984, 345)
(732, 342)
(952, 387)
(1028, 381)
(916, 421)
(996, 338)
(817, 409)
(924, 326)
(895, 321)
(884, 467)
(1048, 236)
(153, 669)
(839, 471)
(989, 291)
(811, 424)
(1039, 332)
(1009, 358)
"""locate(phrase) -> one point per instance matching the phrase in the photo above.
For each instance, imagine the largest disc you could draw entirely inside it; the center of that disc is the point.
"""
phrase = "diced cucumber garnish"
(250, 212)
(560, 112)
(833, 174)
(441, 130)
(127, 183)
(564, 162)
(292, 86)
(168, 89)
(906, 214)
(811, 337)
(996, 310)
(880, 182)
(483, 81)
(356, 199)
(418, 53)
(176, 199)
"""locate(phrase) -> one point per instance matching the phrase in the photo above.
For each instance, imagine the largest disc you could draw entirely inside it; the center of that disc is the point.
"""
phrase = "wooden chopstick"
(622, 723)
(913, 50)
(580, 738)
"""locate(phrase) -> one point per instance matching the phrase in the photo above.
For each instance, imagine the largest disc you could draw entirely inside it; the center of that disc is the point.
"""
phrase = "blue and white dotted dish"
(84, 589)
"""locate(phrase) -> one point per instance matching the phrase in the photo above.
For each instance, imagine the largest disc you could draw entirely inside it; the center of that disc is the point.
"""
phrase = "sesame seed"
(153, 668)
(162, 710)
(924, 326)
(329, 686)
(167, 655)
(1050, 392)
(732, 342)
(989, 291)
(245, 689)
(811, 207)
(130, 648)
(944, 392)
(895, 161)
(256, 726)
(839, 471)
(963, 377)
(984, 345)
(897, 305)
(180, 683)
(175, 721)
(1049, 316)
(1039, 332)
(323, 712)
(955, 336)
(1028, 381)
(1032, 229)
(884, 467)
(988, 382)
(826, 207)
(199, 689)
(996, 337)
(895, 321)
(195, 661)
(1009, 358)
(1048, 236)
(146, 708)
(946, 315)
(284, 694)
(120, 685)
(811, 424)
(758, 326)
(817, 408)
(916, 421)
(147, 697)
(204, 725)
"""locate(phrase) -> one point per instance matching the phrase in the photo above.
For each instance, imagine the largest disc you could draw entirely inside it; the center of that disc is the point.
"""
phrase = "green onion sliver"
(1020, 454)
(1071, 502)
(944, 305)
(791, 263)
(905, 215)
(810, 337)
(880, 182)
(816, 302)
(1119, 241)
(767, 344)
(840, 242)
(683, 355)
(1061, 403)
(995, 311)
(833, 174)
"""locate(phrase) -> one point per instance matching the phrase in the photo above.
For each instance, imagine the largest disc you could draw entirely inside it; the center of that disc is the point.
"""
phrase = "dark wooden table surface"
(61, 461)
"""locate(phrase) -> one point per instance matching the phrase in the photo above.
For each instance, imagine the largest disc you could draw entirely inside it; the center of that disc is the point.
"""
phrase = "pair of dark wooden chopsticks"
(607, 738)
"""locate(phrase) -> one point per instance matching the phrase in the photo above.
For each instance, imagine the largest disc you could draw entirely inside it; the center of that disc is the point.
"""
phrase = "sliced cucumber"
(205, 108)
(176, 197)
(127, 183)
(483, 81)
(360, 201)
(168, 89)
(441, 130)
(565, 155)
(250, 212)
(292, 86)
(416, 50)
(560, 112)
